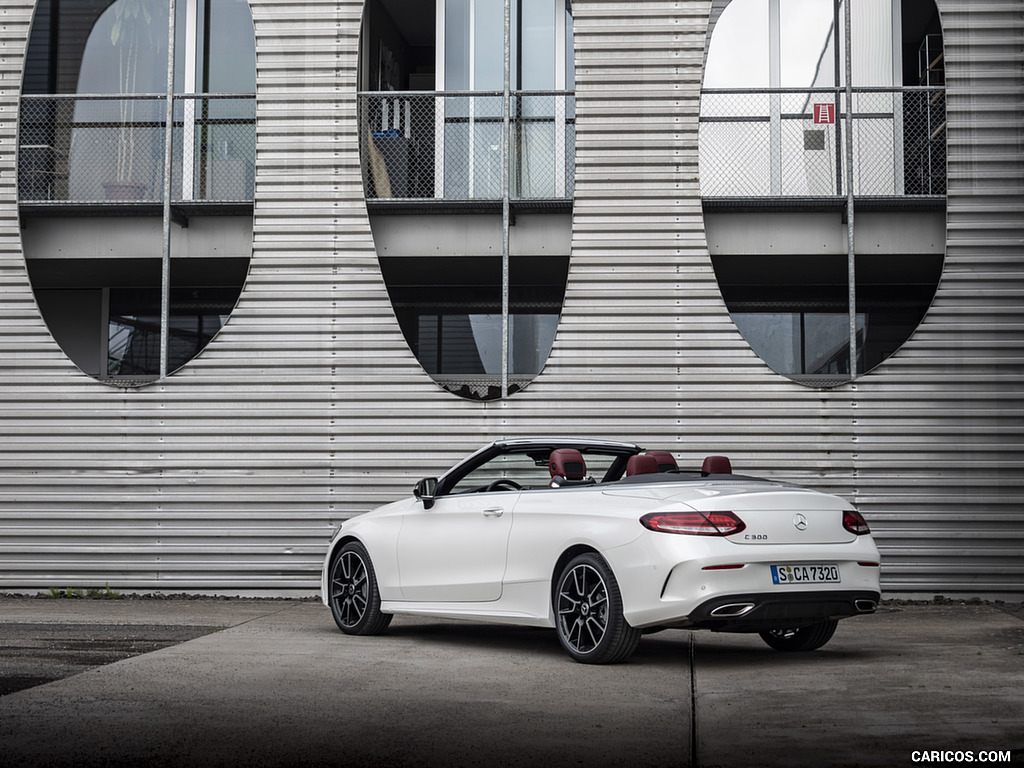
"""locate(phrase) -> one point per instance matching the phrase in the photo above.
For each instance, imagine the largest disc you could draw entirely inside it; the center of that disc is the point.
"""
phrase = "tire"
(803, 639)
(354, 596)
(588, 613)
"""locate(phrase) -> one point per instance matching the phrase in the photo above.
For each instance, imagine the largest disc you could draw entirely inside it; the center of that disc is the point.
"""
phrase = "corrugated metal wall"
(309, 406)
(940, 433)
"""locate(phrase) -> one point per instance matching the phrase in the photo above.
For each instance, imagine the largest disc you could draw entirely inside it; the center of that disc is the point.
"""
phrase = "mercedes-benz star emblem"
(800, 522)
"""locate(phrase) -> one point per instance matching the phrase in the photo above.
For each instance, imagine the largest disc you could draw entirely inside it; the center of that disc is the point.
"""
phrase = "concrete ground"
(273, 683)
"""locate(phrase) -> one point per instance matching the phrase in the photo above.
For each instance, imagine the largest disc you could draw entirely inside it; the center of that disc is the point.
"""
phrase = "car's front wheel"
(588, 613)
(353, 594)
(802, 639)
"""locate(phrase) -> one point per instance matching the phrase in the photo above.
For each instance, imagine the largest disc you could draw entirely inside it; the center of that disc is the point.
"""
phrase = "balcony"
(106, 151)
(788, 145)
(444, 149)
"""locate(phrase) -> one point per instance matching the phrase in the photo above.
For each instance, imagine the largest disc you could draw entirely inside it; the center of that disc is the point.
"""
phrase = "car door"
(455, 551)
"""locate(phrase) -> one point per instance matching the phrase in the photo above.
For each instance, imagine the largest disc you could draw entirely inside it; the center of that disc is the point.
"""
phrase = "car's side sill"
(464, 611)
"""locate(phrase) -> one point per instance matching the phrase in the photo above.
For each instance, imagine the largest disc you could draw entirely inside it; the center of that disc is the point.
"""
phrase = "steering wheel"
(506, 482)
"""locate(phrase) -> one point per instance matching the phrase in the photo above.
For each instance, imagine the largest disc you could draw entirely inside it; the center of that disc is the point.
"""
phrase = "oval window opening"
(93, 135)
(777, 143)
(436, 160)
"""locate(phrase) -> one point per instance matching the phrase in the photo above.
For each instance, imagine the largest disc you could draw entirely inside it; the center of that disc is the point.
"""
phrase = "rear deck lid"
(782, 515)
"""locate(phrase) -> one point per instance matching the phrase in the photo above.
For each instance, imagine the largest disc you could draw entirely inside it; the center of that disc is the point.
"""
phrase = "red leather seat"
(716, 465)
(567, 467)
(641, 464)
(666, 461)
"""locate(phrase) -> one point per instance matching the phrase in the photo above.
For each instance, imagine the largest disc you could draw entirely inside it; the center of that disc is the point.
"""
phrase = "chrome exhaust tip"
(732, 610)
(865, 606)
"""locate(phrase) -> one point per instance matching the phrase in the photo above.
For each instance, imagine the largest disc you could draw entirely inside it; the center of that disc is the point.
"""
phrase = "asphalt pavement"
(185, 682)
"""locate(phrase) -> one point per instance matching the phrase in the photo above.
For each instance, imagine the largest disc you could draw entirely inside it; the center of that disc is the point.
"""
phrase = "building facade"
(340, 291)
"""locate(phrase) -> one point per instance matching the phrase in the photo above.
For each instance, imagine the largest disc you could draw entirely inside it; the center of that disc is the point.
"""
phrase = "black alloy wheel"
(802, 639)
(588, 611)
(354, 596)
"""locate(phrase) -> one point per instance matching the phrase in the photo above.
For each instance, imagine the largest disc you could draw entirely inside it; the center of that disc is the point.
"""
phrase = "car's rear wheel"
(353, 594)
(802, 639)
(588, 611)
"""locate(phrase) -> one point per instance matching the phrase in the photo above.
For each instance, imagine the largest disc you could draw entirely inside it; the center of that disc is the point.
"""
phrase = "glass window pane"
(229, 49)
(456, 45)
(459, 344)
(570, 63)
(826, 343)
(871, 39)
(458, 352)
(530, 340)
(134, 332)
(773, 336)
(126, 52)
(795, 343)
(425, 342)
(538, 45)
(893, 295)
(806, 47)
(738, 54)
(486, 330)
(197, 313)
(488, 45)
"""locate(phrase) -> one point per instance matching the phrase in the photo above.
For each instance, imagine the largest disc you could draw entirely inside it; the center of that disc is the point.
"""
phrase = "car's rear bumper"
(761, 611)
(669, 580)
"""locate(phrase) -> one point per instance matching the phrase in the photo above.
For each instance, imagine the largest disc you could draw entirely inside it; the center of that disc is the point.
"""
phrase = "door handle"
(494, 512)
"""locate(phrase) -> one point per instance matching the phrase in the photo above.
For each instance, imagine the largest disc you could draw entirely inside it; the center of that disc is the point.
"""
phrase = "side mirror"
(425, 491)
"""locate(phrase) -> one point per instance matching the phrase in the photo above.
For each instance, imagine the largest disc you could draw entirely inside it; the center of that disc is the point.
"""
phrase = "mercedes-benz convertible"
(605, 541)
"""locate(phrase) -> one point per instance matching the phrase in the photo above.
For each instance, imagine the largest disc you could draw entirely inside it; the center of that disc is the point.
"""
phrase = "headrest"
(567, 463)
(641, 464)
(716, 465)
(666, 461)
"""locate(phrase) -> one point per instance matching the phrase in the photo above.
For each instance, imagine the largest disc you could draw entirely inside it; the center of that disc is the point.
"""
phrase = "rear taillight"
(854, 522)
(694, 523)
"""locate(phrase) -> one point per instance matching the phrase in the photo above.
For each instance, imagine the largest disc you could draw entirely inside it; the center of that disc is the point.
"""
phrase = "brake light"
(693, 523)
(855, 523)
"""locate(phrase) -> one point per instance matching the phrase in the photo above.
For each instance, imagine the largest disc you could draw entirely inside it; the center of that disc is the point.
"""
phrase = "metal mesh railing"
(753, 143)
(87, 149)
(791, 142)
(448, 145)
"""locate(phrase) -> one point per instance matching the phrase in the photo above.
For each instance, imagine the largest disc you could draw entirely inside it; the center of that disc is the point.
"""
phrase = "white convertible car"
(605, 541)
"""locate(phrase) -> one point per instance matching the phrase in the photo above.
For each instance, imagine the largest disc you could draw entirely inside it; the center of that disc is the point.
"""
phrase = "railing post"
(505, 181)
(851, 258)
(165, 261)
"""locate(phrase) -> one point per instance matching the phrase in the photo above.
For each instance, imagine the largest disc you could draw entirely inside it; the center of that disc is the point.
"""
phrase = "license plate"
(805, 574)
